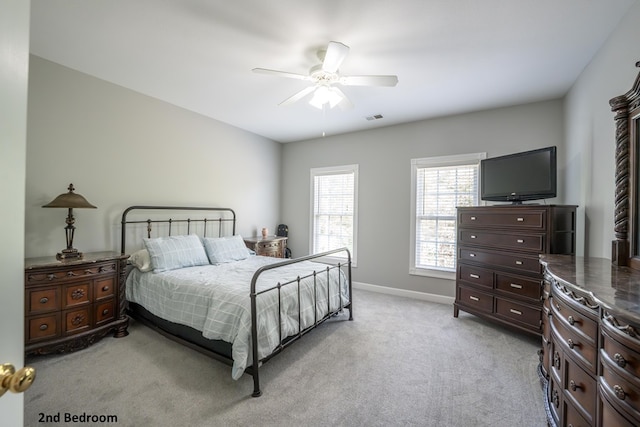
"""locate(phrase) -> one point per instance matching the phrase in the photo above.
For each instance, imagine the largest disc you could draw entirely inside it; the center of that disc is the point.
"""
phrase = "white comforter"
(215, 299)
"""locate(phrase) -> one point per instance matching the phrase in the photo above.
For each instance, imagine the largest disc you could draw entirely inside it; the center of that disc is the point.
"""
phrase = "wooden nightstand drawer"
(103, 288)
(77, 294)
(43, 327)
(43, 300)
(75, 321)
(273, 246)
(105, 312)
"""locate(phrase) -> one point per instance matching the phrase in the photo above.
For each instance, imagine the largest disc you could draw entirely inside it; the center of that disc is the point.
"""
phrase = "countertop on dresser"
(615, 288)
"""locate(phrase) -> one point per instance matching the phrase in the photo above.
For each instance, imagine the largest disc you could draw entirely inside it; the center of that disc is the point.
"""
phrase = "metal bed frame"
(218, 349)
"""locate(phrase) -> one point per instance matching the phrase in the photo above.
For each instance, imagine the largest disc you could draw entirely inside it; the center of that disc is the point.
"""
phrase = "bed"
(193, 280)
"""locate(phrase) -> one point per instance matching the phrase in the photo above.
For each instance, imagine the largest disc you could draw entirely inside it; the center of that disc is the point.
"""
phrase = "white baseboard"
(441, 299)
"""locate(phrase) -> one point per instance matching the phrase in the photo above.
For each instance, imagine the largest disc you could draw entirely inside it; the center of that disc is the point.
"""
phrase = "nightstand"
(69, 305)
(273, 246)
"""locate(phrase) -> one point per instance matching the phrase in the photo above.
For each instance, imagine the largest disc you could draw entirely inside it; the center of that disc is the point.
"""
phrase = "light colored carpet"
(399, 362)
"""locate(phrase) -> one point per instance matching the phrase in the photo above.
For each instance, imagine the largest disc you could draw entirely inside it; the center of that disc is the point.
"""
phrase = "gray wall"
(383, 156)
(590, 134)
(121, 148)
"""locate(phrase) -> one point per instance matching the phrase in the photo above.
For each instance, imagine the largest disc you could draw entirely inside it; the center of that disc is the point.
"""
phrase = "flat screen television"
(518, 177)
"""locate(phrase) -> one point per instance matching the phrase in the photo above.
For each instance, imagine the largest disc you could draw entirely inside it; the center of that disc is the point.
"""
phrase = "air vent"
(374, 117)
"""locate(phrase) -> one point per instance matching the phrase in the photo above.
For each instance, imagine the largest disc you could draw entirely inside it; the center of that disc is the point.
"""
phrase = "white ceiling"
(450, 56)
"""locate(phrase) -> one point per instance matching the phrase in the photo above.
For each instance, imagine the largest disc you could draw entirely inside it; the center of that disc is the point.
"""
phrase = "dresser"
(273, 246)
(498, 273)
(591, 376)
(71, 304)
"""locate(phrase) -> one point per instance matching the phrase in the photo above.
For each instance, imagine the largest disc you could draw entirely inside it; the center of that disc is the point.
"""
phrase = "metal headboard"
(224, 216)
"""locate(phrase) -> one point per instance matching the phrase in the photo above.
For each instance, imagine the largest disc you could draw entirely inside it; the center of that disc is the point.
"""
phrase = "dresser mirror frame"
(626, 246)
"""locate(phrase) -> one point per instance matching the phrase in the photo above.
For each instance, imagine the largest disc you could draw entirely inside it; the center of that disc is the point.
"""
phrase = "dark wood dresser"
(590, 356)
(71, 304)
(273, 246)
(498, 273)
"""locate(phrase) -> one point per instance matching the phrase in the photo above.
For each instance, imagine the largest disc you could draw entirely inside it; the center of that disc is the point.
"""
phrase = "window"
(438, 186)
(334, 196)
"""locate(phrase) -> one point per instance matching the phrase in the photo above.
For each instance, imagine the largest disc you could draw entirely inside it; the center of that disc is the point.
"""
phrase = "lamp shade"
(69, 200)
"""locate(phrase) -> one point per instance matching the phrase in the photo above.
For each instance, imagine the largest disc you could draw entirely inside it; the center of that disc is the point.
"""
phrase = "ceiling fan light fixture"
(325, 95)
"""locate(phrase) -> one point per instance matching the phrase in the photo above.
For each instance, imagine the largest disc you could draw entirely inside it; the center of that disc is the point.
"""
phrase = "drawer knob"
(105, 288)
(555, 398)
(573, 386)
(105, 311)
(77, 294)
(620, 360)
(77, 320)
(571, 343)
(556, 360)
(44, 327)
(571, 320)
(44, 300)
(619, 391)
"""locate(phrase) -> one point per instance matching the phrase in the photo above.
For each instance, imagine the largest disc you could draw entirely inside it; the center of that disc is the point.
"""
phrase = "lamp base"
(68, 254)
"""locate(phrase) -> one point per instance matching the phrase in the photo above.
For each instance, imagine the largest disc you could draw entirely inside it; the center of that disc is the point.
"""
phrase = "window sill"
(440, 274)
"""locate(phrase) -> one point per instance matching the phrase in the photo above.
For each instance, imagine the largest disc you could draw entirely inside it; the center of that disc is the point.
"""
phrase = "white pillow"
(169, 253)
(225, 249)
(141, 260)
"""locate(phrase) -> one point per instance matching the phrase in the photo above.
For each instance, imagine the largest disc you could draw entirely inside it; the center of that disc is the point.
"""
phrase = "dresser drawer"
(578, 346)
(564, 309)
(103, 288)
(518, 241)
(42, 300)
(609, 416)
(105, 312)
(524, 263)
(516, 312)
(476, 275)
(573, 417)
(63, 274)
(503, 218)
(76, 320)
(474, 298)
(581, 387)
(619, 349)
(621, 391)
(521, 287)
(76, 294)
(555, 399)
(42, 327)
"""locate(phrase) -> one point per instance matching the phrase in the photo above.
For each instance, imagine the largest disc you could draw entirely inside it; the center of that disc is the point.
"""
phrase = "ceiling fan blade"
(345, 104)
(282, 74)
(369, 80)
(333, 57)
(297, 96)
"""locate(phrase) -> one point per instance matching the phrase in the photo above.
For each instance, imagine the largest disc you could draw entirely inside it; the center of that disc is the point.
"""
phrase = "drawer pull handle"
(571, 320)
(77, 294)
(558, 307)
(515, 286)
(472, 298)
(474, 276)
(620, 360)
(78, 320)
(514, 311)
(571, 343)
(44, 327)
(105, 311)
(520, 241)
(472, 255)
(519, 219)
(44, 300)
(473, 218)
(518, 262)
(105, 288)
(473, 236)
(555, 398)
(619, 391)
(556, 360)
(573, 386)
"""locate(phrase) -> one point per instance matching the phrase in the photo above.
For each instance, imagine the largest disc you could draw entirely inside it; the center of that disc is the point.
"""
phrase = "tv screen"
(529, 175)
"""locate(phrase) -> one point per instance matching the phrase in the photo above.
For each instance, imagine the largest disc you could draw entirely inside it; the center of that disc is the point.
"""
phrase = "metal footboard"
(286, 341)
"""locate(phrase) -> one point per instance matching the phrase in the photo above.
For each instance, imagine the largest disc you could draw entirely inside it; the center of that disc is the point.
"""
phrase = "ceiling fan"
(325, 76)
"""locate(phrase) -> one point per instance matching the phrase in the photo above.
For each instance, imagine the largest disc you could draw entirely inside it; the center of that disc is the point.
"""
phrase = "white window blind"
(439, 186)
(334, 198)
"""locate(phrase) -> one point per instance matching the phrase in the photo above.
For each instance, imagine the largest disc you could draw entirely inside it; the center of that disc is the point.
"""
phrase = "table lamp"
(70, 201)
